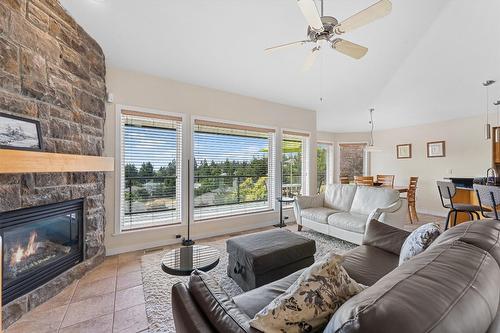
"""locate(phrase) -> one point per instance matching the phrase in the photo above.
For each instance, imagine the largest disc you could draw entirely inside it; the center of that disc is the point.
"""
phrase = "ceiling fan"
(323, 30)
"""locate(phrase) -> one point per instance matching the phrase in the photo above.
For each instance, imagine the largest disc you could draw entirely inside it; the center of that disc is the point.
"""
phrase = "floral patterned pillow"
(419, 240)
(309, 303)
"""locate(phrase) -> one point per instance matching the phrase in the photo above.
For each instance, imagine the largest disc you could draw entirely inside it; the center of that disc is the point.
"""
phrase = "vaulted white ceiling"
(426, 60)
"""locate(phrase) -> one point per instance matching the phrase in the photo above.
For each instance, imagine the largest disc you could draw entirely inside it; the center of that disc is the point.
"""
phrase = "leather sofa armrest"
(220, 309)
(375, 215)
(188, 317)
(307, 201)
(384, 236)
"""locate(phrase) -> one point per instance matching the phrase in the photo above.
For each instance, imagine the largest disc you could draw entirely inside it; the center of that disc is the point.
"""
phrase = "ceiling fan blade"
(370, 14)
(311, 14)
(284, 46)
(348, 48)
(311, 59)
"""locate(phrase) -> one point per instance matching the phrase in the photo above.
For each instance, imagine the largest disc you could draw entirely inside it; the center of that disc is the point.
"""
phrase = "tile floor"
(107, 299)
(110, 297)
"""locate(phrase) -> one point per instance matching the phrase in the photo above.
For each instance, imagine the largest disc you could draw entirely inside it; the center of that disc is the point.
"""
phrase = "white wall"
(139, 90)
(468, 154)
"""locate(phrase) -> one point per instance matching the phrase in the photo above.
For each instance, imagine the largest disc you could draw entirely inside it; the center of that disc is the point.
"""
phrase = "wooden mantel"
(19, 161)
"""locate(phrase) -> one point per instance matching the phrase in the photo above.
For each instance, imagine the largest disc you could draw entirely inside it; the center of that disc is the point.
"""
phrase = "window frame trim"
(273, 132)
(119, 110)
(330, 162)
(307, 161)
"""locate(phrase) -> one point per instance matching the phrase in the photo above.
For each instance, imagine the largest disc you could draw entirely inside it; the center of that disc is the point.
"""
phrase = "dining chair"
(447, 191)
(488, 197)
(411, 197)
(386, 180)
(344, 180)
(363, 180)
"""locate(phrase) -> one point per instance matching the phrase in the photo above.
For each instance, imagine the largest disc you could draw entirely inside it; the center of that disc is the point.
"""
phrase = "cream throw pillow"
(310, 302)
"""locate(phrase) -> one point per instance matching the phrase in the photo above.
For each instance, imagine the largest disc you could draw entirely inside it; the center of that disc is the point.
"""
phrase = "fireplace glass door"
(39, 243)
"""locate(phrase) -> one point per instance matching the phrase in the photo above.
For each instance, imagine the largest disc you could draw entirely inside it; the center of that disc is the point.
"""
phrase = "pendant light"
(487, 127)
(371, 148)
(497, 129)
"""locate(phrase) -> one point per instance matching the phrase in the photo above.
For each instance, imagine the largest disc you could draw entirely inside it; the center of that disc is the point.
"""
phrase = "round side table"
(184, 260)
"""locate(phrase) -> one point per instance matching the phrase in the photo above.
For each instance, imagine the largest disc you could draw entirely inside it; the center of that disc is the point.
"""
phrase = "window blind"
(294, 174)
(233, 169)
(151, 148)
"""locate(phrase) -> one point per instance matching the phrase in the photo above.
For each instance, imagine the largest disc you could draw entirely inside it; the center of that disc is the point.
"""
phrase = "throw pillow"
(419, 240)
(309, 303)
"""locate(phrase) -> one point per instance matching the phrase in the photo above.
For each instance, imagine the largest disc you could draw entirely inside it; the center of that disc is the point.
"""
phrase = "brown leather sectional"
(454, 286)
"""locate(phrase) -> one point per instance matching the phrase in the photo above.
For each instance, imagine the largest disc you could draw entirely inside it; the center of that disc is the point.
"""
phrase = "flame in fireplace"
(21, 253)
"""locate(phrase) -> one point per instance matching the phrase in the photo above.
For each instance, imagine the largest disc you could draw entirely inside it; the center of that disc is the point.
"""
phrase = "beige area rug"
(157, 284)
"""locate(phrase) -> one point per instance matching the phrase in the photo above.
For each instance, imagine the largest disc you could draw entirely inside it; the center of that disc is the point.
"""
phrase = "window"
(294, 179)
(324, 152)
(150, 170)
(233, 169)
(352, 159)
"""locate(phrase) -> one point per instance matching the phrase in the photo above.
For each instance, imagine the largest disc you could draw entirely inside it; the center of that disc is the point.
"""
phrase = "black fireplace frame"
(45, 273)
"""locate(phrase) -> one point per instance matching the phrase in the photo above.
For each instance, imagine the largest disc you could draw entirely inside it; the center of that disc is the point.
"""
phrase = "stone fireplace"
(39, 243)
(51, 71)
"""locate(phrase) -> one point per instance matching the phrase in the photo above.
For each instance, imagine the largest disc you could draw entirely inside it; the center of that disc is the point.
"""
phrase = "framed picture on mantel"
(19, 133)
(403, 151)
(436, 149)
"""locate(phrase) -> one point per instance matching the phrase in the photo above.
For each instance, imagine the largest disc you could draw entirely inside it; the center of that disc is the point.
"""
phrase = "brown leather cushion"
(436, 291)
(367, 264)
(384, 236)
(255, 300)
(184, 306)
(484, 234)
(217, 306)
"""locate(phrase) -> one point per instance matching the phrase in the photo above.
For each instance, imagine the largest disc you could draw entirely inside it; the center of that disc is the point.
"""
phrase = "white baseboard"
(152, 245)
(431, 212)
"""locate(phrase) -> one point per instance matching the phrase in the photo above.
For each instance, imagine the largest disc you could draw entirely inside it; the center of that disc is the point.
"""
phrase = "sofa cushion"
(384, 236)
(368, 264)
(255, 300)
(319, 215)
(221, 311)
(308, 304)
(339, 197)
(437, 291)
(348, 221)
(484, 234)
(368, 198)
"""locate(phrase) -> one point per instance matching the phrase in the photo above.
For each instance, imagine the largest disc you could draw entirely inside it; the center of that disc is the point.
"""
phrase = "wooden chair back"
(386, 180)
(344, 180)
(412, 189)
(363, 180)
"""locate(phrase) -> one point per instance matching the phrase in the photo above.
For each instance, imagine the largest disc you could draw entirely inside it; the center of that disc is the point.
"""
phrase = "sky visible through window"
(158, 146)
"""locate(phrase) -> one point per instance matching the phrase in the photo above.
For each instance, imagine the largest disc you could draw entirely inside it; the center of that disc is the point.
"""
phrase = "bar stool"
(448, 190)
(489, 196)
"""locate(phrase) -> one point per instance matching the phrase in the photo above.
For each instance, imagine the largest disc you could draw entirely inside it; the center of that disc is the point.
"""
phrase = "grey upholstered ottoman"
(258, 259)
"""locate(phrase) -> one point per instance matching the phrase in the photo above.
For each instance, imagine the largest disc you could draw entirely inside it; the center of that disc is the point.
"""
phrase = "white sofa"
(343, 211)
